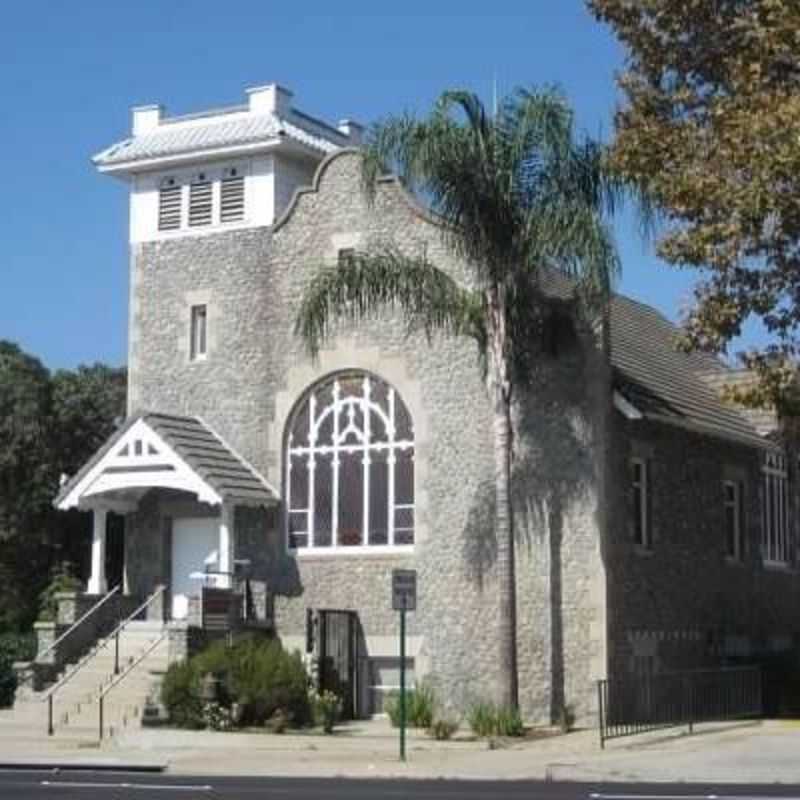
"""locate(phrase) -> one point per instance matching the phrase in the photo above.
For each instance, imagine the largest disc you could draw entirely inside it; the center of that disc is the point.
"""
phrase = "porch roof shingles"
(202, 450)
(210, 457)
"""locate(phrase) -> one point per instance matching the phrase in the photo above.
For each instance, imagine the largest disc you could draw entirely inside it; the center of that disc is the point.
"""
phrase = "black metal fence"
(638, 704)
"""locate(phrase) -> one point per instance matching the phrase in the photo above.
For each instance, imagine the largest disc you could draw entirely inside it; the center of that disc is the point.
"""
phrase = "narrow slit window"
(734, 528)
(641, 503)
(198, 333)
(201, 201)
(169, 205)
(232, 196)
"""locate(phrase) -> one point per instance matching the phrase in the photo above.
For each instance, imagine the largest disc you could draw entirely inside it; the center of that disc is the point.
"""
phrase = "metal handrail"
(48, 697)
(102, 696)
(75, 625)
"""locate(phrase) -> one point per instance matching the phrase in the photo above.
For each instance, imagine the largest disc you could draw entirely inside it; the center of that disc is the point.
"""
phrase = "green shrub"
(13, 647)
(508, 722)
(257, 678)
(62, 580)
(18, 646)
(420, 707)
(180, 695)
(442, 729)
(327, 707)
(481, 719)
(265, 679)
(487, 719)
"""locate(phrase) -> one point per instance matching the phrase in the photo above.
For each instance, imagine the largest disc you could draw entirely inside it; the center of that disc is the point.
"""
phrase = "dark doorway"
(337, 645)
(115, 550)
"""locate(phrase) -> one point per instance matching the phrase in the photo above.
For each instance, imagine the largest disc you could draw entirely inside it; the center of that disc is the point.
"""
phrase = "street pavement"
(733, 753)
(121, 786)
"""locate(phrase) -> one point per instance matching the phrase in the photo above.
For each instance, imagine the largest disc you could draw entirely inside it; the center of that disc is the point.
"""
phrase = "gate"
(337, 646)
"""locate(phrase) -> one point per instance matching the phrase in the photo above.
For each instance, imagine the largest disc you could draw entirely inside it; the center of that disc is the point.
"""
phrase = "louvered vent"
(169, 206)
(232, 196)
(200, 201)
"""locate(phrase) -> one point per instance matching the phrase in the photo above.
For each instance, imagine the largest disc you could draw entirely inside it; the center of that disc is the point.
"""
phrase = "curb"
(81, 766)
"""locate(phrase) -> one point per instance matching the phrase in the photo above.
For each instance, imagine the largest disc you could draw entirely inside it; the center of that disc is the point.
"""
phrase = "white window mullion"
(312, 466)
(392, 450)
(367, 437)
(335, 468)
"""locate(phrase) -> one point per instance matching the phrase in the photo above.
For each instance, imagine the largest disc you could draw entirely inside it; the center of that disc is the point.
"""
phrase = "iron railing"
(120, 678)
(53, 648)
(639, 704)
(49, 697)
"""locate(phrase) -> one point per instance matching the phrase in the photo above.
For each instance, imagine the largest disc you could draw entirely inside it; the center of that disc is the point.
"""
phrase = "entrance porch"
(179, 487)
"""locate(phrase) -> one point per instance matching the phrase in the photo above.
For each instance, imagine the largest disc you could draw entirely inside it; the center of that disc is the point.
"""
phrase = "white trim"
(355, 550)
(97, 580)
(625, 407)
(165, 468)
(136, 165)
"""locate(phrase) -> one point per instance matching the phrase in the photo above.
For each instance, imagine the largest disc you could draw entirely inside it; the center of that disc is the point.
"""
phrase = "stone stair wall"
(75, 705)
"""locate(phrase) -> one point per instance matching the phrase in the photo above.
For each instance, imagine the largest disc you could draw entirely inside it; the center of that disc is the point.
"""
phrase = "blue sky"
(69, 73)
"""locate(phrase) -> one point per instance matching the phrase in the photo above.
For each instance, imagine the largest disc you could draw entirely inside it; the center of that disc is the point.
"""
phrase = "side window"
(640, 490)
(198, 333)
(345, 256)
(733, 496)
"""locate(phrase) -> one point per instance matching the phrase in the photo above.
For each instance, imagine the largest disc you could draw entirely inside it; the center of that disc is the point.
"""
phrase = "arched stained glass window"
(350, 466)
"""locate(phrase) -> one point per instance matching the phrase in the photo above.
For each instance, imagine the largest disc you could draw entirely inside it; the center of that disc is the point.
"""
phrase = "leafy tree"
(48, 425)
(709, 128)
(517, 192)
(88, 404)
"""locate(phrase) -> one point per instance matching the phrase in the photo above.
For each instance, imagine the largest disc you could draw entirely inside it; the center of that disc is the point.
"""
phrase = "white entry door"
(195, 546)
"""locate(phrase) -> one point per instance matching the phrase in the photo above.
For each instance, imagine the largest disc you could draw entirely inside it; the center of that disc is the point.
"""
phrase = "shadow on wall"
(553, 476)
(272, 570)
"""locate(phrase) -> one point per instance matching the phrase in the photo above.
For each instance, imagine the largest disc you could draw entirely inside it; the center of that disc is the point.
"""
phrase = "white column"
(226, 546)
(97, 580)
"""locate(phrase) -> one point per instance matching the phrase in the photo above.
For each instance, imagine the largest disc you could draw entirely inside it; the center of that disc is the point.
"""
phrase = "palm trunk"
(500, 394)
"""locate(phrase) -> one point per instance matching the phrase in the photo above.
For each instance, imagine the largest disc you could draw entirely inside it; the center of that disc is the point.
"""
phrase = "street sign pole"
(403, 685)
(404, 598)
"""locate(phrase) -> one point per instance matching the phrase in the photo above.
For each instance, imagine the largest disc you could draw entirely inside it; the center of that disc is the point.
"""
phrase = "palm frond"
(368, 283)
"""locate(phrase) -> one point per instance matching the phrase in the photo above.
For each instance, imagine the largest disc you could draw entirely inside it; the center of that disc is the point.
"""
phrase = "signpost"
(404, 598)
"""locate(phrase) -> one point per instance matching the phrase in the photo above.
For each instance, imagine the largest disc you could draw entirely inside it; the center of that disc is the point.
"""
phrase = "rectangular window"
(200, 201)
(777, 545)
(169, 205)
(734, 519)
(345, 255)
(231, 204)
(198, 333)
(641, 502)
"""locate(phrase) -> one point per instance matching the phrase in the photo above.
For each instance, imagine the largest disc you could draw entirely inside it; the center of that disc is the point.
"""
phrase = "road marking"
(600, 796)
(163, 787)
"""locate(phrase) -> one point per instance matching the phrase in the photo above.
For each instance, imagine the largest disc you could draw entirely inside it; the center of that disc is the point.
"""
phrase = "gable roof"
(228, 128)
(666, 384)
(217, 473)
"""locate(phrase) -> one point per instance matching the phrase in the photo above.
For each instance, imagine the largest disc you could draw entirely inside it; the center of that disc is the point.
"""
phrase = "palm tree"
(519, 195)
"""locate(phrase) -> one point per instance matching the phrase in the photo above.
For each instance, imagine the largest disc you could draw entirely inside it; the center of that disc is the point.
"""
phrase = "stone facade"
(589, 603)
(257, 370)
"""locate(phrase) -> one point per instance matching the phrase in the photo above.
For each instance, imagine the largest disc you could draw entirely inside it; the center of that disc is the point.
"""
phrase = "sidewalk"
(733, 752)
(718, 753)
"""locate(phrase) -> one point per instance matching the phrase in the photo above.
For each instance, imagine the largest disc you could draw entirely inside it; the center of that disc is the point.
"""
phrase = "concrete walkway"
(726, 753)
